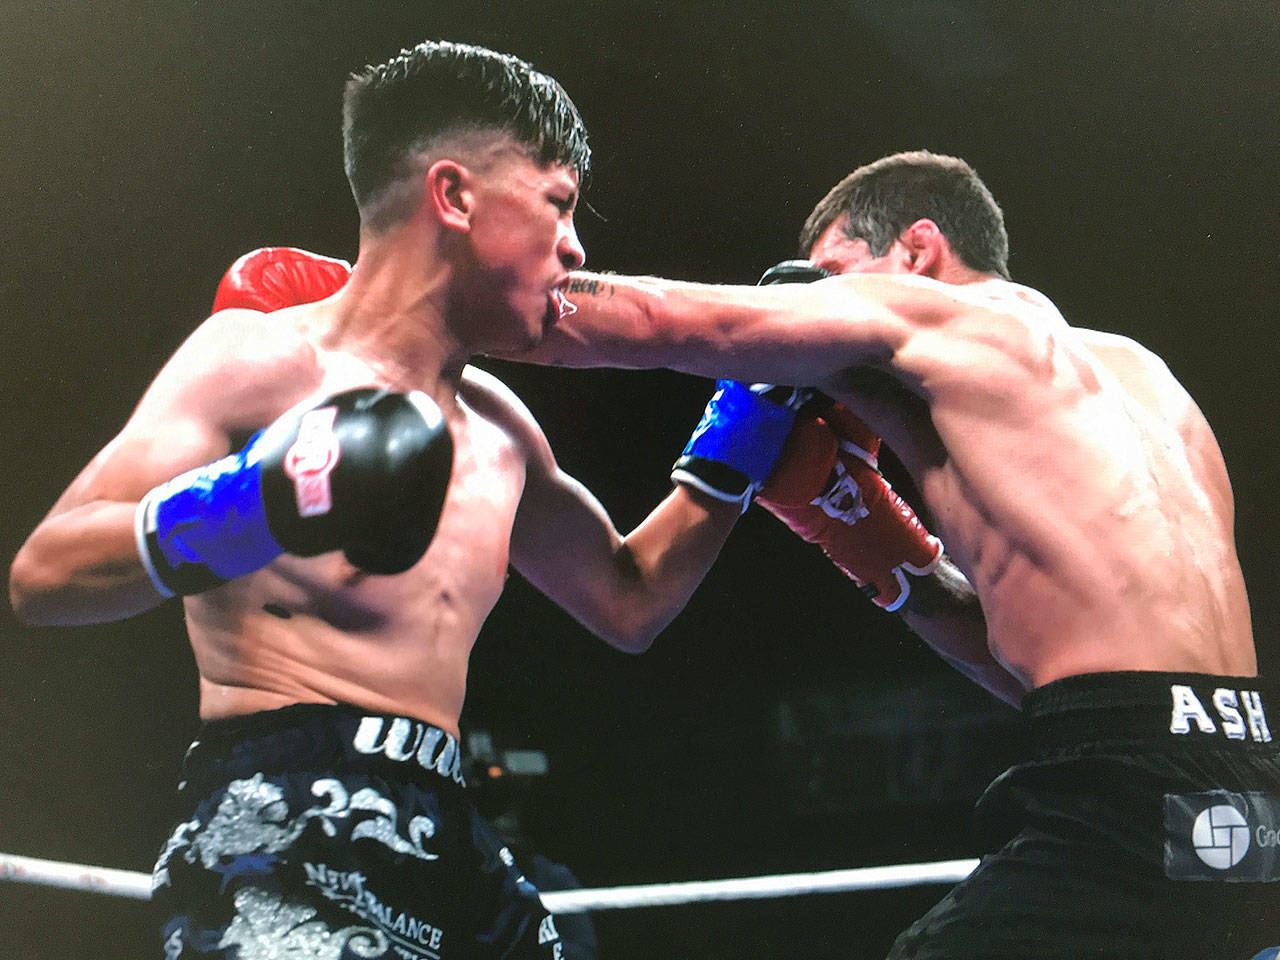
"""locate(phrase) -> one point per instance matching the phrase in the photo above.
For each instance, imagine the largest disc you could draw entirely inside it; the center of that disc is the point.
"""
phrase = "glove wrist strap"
(205, 527)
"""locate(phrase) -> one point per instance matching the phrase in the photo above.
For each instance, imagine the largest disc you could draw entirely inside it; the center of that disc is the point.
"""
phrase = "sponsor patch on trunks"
(1219, 835)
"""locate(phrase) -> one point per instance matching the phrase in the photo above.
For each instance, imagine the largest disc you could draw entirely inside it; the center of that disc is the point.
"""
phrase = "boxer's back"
(1081, 490)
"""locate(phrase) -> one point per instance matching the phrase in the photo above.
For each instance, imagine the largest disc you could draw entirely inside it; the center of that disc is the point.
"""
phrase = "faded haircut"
(395, 110)
(877, 202)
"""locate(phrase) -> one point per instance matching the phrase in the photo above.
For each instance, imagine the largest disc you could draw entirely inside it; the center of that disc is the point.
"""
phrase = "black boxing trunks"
(1145, 825)
(333, 833)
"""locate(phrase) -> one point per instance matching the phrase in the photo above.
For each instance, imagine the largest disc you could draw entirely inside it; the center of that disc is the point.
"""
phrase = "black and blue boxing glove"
(738, 440)
(364, 471)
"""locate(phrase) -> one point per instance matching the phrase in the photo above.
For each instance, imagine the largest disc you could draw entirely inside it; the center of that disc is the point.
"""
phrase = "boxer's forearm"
(779, 334)
(943, 610)
(613, 321)
(81, 566)
(623, 589)
(669, 554)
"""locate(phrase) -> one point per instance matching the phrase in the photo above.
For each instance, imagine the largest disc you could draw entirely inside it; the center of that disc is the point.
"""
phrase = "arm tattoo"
(590, 286)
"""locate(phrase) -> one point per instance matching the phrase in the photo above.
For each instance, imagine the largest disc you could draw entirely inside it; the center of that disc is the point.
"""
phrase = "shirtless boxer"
(337, 567)
(1082, 494)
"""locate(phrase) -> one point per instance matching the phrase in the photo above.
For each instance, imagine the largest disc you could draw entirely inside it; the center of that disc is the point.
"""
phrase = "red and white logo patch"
(311, 459)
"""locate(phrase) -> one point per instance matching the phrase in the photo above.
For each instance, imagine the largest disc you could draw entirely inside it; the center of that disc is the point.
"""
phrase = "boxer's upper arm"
(565, 544)
(222, 379)
(562, 539)
(80, 564)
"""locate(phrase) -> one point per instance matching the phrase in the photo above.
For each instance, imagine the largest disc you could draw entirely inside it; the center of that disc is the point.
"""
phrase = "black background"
(780, 724)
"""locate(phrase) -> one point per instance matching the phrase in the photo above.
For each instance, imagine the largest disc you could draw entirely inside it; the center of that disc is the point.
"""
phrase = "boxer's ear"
(923, 247)
(450, 194)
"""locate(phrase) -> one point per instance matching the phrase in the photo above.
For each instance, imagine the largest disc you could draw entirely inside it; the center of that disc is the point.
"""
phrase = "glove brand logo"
(311, 459)
(842, 500)
(1220, 836)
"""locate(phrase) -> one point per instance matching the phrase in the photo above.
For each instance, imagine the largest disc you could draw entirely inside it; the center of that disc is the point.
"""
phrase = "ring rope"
(128, 883)
(755, 888)
(75, 876)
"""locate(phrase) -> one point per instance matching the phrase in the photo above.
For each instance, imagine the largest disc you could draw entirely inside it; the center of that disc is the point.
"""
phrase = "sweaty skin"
(317, 630)
(1074, 482)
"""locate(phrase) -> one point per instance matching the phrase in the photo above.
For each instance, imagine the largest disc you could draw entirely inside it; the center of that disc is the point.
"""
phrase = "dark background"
(780, 724)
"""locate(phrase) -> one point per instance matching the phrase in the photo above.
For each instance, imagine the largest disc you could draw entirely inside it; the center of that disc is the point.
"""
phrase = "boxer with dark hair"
(1082, 495)
(337, 494)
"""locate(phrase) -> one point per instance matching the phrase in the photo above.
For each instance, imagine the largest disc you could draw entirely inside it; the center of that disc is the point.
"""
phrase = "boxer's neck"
(392, 314)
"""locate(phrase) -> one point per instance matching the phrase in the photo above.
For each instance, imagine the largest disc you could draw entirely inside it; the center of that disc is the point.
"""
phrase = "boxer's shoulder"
(241, 366)
(251, 339)
(490, 399)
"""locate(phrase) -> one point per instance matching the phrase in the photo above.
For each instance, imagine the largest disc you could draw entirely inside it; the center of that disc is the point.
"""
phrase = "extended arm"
(788, 333)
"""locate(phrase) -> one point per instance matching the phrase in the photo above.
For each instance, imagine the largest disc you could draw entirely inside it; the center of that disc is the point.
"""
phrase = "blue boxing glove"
(364, 471)
(737, 441)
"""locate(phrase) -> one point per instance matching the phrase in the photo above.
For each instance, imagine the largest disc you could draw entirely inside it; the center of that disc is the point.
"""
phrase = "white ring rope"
(75, 876)
(127, 883)
(756, 888)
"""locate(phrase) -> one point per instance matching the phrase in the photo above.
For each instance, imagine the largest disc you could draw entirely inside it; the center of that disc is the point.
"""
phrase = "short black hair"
(880, 200)
(393, 109)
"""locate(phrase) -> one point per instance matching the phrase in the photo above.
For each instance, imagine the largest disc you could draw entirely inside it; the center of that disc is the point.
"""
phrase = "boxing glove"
(364, 471)
(792, 271)
(272, 278)
(828, 489)
(741, 432)
(738, 440)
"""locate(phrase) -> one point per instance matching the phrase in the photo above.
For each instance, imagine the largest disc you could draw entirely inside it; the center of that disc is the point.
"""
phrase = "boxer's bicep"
(564, 543)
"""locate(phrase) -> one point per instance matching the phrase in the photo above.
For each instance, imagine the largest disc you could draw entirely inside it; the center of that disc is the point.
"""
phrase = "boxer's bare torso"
(317, 629)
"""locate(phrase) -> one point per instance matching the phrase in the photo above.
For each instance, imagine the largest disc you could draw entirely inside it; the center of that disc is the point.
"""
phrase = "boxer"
(336, 495)
(1083, 497)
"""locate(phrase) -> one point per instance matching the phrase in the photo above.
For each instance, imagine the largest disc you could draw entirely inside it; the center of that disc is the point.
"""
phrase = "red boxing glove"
(827, 488)
(272, 278)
